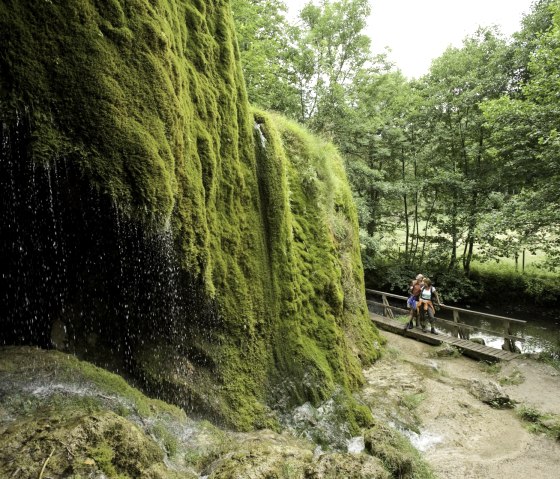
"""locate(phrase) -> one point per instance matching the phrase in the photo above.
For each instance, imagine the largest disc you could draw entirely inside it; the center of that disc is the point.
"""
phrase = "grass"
(540, 423)
(507, 265)
(412, 401)
(396, 453)
(514, 379)
(493, 369)
(490, 368)
(445, 351)
(552, 359)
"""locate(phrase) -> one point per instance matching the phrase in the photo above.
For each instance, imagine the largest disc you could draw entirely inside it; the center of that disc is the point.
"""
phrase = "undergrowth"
(539, 422)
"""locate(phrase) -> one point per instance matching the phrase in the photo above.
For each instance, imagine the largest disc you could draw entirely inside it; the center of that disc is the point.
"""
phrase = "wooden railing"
(460, 329)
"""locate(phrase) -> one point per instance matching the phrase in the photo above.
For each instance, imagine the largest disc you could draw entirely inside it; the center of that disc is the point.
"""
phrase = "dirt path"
(461, 436)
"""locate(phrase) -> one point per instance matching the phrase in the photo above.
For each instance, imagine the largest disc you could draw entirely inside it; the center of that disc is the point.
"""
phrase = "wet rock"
(344, 466)
(490, 393)
(100, 427)
(396, 452)
(275, 456)
(58, 335)
(356, 445)
(447, 351)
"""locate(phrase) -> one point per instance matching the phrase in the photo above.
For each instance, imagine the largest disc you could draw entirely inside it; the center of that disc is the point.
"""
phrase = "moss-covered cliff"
(161, 226)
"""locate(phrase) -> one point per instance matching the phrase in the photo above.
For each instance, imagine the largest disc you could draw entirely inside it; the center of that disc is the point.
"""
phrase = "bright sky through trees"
(419, 31)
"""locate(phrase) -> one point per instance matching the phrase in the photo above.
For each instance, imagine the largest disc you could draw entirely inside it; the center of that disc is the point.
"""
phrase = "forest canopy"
(455, 169)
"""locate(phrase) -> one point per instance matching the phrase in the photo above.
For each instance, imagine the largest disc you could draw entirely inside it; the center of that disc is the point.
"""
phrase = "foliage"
(526, 136)
(502, 284)
(539, 422)
(453, 168)
(264, 37)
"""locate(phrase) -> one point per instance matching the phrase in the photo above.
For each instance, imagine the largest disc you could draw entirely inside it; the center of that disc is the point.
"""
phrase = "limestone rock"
(490, 393)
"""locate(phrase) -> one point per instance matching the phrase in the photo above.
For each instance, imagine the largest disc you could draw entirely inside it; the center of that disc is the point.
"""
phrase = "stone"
(490, 393)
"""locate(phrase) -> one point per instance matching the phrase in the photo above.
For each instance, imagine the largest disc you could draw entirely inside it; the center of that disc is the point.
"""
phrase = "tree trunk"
(406, 221)
(426, 229)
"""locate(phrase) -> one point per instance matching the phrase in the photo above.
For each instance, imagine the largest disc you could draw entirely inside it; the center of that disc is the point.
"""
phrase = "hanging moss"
(145, 103)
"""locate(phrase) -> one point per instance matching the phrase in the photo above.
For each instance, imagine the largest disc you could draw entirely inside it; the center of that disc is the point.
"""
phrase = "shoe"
(433, 331)
(409, 326)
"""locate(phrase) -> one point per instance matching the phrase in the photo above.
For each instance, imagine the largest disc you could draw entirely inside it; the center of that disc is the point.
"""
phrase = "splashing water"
(356, 445)
(78, 273)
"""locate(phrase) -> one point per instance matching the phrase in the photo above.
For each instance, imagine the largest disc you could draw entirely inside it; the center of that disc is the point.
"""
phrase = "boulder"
(490, 393)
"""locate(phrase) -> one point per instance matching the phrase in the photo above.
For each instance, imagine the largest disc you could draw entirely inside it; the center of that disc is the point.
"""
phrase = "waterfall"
(262, 138)
(78, 273)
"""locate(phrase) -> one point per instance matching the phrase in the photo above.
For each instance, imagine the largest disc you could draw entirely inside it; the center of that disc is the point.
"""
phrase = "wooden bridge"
(461, 331)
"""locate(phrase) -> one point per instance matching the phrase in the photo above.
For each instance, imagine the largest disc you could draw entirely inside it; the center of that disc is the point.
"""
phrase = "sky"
(418, 31)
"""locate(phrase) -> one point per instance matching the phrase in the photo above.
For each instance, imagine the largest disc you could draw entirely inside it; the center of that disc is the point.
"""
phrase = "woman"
(426, 305)
(414, 294)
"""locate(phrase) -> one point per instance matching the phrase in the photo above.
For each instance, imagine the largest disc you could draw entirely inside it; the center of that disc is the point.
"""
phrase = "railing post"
(456, 320)
(461, 333)
(387, 311)
(509, 344)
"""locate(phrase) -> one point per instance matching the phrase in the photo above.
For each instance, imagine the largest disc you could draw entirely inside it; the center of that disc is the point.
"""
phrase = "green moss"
(103, 456)
(82, 445)
(146, 100)
(397, 454)
(539, 422)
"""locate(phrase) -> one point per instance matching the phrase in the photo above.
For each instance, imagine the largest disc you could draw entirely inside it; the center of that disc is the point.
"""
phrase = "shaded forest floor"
(430, 398)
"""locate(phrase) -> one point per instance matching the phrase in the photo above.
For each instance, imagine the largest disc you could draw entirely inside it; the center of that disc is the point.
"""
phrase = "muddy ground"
(462, 437)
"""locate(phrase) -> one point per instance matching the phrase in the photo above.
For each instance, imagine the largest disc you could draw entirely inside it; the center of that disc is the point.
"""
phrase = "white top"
(426, 293)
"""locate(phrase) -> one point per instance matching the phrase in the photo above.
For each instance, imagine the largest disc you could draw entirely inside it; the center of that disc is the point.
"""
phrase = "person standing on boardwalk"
(426, 306)
(414, 295)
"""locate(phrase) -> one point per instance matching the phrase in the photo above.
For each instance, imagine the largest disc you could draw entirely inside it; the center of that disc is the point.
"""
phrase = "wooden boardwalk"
(467, 348)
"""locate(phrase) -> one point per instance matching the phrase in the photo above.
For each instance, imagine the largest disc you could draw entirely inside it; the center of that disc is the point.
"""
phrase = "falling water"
(78, 274)
(262, 138)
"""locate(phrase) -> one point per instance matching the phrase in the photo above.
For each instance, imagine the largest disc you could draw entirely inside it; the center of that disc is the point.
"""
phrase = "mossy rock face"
(81, 421)
(78, 420)
(358, 466)
(99, 443)
(148, 219)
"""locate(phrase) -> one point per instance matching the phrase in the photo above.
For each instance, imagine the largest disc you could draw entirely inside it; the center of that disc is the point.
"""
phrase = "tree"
(330, 48)
(264, 42)
(461, 169)
(525, 137)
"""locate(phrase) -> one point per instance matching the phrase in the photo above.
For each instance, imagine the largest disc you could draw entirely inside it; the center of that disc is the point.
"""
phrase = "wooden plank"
(478, 347)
